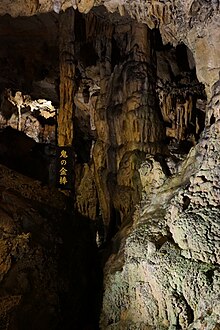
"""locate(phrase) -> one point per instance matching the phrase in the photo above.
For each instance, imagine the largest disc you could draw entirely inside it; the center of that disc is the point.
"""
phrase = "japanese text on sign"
(65, 167)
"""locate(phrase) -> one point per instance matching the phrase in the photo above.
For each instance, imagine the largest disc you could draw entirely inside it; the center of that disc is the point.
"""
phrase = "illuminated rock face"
(127, 121)
(139, 108)
(165, 274)
(134, 97)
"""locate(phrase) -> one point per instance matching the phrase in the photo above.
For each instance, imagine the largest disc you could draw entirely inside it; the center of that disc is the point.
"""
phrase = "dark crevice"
(212, 119)
(114, 225)
(80, 265)
(186, 202)
(88, 55)
(161, 241)
(182, 58)
(209, 275)
(160, 158)
(190, 314)
(116, 54)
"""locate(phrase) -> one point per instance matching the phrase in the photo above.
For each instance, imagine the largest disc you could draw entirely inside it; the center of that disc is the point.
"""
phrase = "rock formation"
(44, 282)
(139, 103)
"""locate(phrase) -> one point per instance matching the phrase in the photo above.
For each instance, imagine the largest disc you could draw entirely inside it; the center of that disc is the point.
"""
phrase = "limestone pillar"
(67, 74)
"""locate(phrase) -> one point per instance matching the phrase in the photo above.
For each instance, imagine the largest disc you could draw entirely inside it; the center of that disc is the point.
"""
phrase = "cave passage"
(107, 87)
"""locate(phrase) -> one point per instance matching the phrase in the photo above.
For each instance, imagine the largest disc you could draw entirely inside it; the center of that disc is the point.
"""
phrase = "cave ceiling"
(194, 23)
(29, 58)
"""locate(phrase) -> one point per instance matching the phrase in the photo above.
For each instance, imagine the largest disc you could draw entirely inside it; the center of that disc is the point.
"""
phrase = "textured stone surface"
(86, 193)
(28, 266)
(67, 73)
(36, 118)
(49, 273)
(166, 272)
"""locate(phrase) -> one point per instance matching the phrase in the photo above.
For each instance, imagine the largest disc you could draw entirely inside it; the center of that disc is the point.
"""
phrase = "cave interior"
(134, 97)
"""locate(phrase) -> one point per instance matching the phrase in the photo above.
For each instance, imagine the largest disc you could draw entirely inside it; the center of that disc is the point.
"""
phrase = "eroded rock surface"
(166, 272)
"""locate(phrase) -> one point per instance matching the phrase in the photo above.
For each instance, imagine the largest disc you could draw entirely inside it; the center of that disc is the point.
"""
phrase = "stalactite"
(177, 110)
(126, 119)
(67, 76)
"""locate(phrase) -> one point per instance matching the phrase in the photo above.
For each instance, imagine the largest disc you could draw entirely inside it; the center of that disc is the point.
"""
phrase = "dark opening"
(186, 202)
(88, 55)
(116, 55)
(182, 58)
(212, 119)
(115, 223)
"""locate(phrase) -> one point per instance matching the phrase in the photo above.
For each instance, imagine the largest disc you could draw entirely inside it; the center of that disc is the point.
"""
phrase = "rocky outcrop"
(165, 274)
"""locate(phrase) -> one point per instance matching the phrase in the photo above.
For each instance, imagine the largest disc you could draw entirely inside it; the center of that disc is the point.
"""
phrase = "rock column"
(67, 74)
(127, 121)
